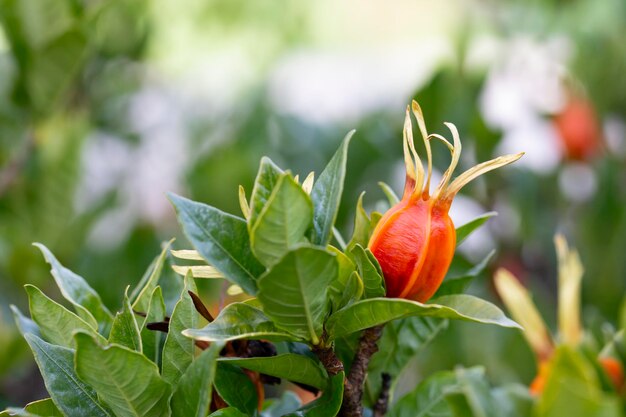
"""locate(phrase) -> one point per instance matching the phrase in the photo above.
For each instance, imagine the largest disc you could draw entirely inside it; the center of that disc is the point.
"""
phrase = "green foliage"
(462, 232)
(307, 291)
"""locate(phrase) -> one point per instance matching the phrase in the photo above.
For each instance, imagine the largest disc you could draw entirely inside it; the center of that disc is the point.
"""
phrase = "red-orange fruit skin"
(578, 129)
(414, 244)
(615, 371)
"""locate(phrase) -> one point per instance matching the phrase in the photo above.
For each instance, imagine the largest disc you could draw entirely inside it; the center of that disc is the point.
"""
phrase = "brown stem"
(328, 358)
(353, 389)
(380, 408)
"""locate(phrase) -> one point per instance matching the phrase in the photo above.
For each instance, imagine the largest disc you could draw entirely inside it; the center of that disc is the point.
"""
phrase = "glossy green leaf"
(392, 198)
(294, 293)
(427, 399)
(179, 351)
(222, 240)
(375, 311)
(328, 404)
(345, 287)
(462, 232)
(282, 222)
(458, 284)
(124, 330)
(239, 321)
(125, 380)
(362, 226)
(150, 339)
(278, 407)
(401, 341)
(78, 292)
(236, 388)
(266, 179)
(143, 292)
(572, 389)
(39, 408)
(326, 193)
(192, 396)
(373, 283)
(56, 323)
(71, 395)
(289, 366)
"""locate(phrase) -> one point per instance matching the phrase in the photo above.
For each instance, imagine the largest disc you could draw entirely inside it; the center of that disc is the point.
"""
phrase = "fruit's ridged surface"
(414, 244)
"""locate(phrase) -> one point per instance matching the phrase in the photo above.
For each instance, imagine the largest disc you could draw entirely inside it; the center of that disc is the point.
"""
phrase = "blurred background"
(107, 105)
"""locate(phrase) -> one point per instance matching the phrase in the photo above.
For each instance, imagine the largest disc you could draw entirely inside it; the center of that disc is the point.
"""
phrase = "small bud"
(414, 241)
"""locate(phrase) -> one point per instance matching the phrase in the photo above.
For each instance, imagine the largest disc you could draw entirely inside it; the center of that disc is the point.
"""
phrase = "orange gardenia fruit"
(414, 241)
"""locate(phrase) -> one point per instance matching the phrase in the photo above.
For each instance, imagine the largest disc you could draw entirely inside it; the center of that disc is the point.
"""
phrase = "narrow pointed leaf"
(282, 222)
(125, 380)
(239, 321)
(192, 396)
(326, 193)
(462, 232)
(294, 293)
(362, 226)
(23, 323)
(236, 388)
(375, 311)
(151, 340)
(264, 184)
(141, 295)
(124, 330)
(346, 287)
(222, 240)
(289, 366)
(56, 323)
(373, 283)
(392, 198)
(75, 289)
(71, 395)
(178, 351)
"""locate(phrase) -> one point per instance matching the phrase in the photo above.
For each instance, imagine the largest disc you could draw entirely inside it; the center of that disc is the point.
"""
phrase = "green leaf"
(462, 232)
(282, 222)
(362, 225)
(374, 311)
(150, 339)
(75, 289)
(458, 284)
(23, 323)
(56, 323)
(39, 408)
(392, 198)
(143, 292)
(264, 184)
(346, 287)
(222, 240)
(192, 396)
(69, 393)
(239, 321)
(328, 404)
(179, 351)
(294, 293)
(236, 388)
(125, 380)
(427, 399)
(369, 269)
(124, 330)
(401, 341)
(326, 193)
(289, 366)
(572, 389)
(278, 407)
(228, 412)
